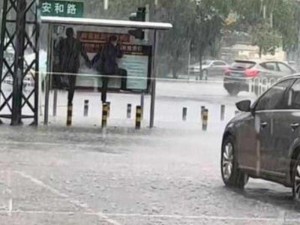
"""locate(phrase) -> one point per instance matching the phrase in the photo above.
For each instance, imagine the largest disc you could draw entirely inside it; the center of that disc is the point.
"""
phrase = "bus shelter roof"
(106, 23)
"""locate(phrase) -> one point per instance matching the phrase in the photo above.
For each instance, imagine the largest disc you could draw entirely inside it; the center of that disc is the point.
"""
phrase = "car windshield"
(149, 112)
(207, 62)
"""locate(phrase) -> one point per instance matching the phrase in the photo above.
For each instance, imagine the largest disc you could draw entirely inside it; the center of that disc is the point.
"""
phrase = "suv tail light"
(251, 73)
(227, 72)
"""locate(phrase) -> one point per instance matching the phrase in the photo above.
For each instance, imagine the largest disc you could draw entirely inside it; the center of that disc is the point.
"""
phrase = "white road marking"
(49, 143)
(10, 207)
(85, 206)
(148, 216)
(201, 217)
(9, 191)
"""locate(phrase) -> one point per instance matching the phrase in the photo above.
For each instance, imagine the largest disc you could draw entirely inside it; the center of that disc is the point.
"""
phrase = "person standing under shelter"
(70, 49)
(109, 65)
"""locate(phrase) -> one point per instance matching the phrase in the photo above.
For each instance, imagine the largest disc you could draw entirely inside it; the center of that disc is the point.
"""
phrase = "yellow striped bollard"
(104, 114)
(205, 120)
(69, 115)
(138, 117)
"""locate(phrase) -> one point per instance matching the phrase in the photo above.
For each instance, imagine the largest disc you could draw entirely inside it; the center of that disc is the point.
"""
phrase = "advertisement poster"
(136, 61)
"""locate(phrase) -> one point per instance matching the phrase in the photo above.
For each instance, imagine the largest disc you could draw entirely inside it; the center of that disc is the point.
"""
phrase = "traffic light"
(140, 15)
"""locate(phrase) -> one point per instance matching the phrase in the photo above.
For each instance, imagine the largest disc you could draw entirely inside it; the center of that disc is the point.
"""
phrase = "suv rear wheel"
(231, 174)
(296, 181)
(233, 91)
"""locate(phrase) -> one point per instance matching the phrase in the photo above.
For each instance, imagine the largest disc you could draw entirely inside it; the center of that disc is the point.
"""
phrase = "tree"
(174, 44)
(268, 21)
(265, 38)
(208, 24)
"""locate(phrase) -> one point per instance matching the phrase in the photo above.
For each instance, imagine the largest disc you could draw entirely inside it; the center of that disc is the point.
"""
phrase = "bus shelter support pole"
(47, 92)
(55, 103)
(48, 74)
(142, 103)
(153, 80)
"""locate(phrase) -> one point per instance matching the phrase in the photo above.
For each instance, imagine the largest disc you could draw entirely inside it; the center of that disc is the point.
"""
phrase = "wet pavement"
(168, 175)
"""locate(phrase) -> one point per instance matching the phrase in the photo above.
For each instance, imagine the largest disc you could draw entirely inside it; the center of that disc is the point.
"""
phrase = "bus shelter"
(151, 27)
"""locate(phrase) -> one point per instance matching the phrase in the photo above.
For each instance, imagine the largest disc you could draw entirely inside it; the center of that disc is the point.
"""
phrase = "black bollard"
(184, 113)
(86, 108)
(129, 111)
(222, 112)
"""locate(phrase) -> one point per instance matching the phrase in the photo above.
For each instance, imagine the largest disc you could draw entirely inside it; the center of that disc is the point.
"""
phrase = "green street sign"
(61, 8)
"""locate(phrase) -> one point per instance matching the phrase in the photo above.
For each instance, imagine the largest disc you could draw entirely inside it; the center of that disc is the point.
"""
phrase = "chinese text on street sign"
(61, 8)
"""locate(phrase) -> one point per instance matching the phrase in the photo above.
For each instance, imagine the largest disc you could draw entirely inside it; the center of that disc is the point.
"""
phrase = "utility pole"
(21, 18)
(19, 63)
(105, 4)
(147, 20)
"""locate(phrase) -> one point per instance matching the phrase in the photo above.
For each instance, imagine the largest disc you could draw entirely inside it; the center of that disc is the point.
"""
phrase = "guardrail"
(261, 84)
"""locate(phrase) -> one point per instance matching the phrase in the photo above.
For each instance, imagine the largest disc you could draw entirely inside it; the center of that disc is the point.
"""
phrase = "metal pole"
(189, 63)
(4, 15)
(47, 87)
(142, 103)
(153, 81)
(37, 69)
(47, 79)
(3, 25)
(54, 102)
(147, 20)
(16, 118)
(105, 4)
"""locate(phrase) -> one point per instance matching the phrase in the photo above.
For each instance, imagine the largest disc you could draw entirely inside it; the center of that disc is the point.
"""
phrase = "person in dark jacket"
(109, 65)
(70, 50)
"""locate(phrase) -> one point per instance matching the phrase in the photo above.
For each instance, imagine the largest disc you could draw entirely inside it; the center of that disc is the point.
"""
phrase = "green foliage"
(266, 38)
(281, 15)
(200, 24)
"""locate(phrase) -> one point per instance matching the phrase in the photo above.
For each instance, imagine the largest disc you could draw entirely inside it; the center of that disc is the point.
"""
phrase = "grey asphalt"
(168, 175)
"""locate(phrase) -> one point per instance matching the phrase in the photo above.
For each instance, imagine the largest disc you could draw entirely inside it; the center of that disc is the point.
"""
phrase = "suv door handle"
(294, 126)
(263, 124)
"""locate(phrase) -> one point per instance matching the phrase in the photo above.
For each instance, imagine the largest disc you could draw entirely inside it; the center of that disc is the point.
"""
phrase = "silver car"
(238, 75)
(209, 68)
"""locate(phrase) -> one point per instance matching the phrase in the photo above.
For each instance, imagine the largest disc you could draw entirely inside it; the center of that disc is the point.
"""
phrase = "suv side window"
(284, 68)
(270, 66)
(219, 63)
(274, 97)
(294, 96)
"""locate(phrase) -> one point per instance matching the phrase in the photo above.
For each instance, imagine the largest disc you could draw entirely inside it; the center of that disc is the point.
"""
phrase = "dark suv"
(264, 140)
